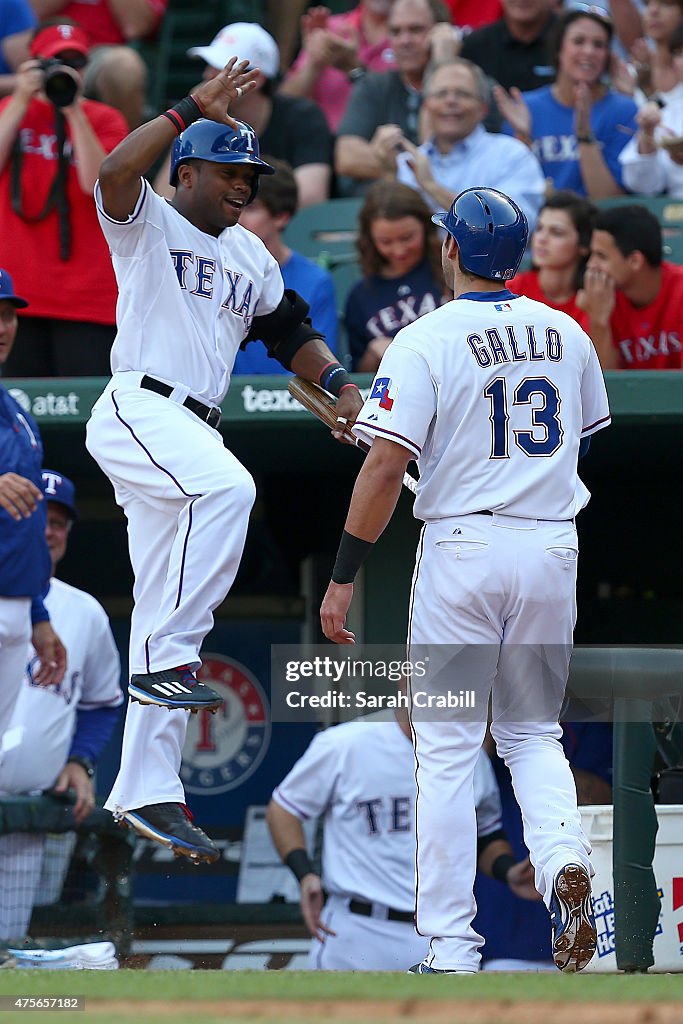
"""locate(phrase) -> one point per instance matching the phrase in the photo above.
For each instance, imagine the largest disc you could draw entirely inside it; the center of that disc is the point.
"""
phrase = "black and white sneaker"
(174, 688)
(571, 915)
(422, 968)
(172, 826)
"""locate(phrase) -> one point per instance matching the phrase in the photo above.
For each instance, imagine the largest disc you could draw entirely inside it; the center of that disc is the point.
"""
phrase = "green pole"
(636, 902)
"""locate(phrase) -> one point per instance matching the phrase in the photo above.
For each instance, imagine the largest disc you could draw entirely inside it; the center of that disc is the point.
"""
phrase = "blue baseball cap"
(57, 487)
(7, 290)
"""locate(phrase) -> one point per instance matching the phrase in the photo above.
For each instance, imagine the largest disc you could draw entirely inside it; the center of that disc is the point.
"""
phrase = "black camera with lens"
(60, 81)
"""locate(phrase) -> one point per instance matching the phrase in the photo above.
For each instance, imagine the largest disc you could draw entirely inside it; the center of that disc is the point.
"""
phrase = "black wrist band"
(350, 556)
(501, 866)
(186, 112)
(299, 863)
(588, 139)
(333, 378)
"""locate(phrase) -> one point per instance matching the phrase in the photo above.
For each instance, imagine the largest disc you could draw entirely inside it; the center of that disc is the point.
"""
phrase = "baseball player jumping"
(193, 286)
(494, 395)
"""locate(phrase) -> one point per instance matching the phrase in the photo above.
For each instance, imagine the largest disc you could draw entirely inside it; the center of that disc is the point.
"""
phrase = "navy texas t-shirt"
(380, 306)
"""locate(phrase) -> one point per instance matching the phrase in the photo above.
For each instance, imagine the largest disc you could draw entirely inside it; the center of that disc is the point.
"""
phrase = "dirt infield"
(358, 1011)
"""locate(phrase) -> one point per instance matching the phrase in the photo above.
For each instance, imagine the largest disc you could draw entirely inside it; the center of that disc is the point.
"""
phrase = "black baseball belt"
(379, 911)
(488, 512)
(210, 414)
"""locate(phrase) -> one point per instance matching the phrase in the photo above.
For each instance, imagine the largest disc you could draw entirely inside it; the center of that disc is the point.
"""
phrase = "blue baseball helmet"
(491, 232)
(220, 144)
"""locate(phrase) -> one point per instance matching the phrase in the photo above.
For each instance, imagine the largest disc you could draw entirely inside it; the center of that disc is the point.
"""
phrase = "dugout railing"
(89, 881)
(641, 689)
(638, 688)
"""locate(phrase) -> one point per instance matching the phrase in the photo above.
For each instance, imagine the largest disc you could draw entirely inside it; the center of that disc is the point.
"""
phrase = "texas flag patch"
(381, 391)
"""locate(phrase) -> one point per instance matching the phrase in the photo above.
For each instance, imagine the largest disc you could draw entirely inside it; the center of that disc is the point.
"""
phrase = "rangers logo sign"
(222, 750)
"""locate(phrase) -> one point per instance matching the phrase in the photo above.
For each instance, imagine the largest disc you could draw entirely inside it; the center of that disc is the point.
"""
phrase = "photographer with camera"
(52, 142)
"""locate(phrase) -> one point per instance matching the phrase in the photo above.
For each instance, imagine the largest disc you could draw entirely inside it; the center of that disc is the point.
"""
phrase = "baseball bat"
(324, 407)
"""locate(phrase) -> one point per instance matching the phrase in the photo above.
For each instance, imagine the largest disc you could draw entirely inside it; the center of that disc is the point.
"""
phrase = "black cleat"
(174, 688)
(422, 968)
(171, 825)
(571, 914)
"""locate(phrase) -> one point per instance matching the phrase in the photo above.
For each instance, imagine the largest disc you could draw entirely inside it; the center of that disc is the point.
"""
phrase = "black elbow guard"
(285, 330)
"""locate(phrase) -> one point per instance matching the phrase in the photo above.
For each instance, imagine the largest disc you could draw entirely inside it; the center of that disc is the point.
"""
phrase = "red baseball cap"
(56, 38)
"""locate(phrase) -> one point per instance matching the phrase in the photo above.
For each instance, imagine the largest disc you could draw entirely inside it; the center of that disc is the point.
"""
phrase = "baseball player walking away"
(493, 395)
(361, 777)
(69, 724)
(193, 286)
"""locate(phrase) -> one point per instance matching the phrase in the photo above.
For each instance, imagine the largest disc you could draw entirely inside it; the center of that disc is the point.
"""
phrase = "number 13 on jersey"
(546, 433)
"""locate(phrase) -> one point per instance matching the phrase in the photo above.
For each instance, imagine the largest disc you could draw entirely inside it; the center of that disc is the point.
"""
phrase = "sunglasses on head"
(599, 12)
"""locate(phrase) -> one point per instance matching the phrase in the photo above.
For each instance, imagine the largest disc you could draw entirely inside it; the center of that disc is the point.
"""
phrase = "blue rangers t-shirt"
(15, 16)
(378, 307)
(315, 285)
(612, 121)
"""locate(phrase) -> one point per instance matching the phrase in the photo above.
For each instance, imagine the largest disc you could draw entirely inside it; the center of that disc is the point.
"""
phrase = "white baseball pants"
(187, 500)
(364, 943)
(493, 607)
(15, 637)
(33, 867)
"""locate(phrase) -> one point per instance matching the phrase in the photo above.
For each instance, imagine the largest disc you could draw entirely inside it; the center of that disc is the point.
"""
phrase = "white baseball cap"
(246, 40)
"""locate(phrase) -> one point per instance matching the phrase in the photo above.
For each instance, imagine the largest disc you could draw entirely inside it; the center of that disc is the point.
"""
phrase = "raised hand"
(583, 104)
(314, 18)
(230, 84)
(29, 81)
(513, 108)
(597, 297)
(385, 143)
(642, 59)
(418, 163)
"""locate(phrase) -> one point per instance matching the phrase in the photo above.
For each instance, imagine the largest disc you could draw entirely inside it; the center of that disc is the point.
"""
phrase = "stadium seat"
(187, 23)
(669, 213)
(327, 234)
(325, 231)
(172, 74)
(341, 6)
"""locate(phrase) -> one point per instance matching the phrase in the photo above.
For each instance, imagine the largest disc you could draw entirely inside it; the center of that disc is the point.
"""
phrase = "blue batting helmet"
(491, 232)
(220, 144)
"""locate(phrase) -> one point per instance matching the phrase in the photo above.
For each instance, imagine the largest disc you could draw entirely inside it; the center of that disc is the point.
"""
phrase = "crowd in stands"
(400, 103)
(540, 99)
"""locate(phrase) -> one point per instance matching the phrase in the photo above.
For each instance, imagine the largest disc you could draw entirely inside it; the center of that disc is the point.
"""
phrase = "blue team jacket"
(24, 556)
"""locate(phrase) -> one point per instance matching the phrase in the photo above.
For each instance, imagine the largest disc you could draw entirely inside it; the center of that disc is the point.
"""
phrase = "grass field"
(281, 997)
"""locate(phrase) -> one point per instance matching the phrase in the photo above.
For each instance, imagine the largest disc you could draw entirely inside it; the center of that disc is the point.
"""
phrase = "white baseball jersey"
(361, 776)
(492, 398)
(46, 715)
(183, 317)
